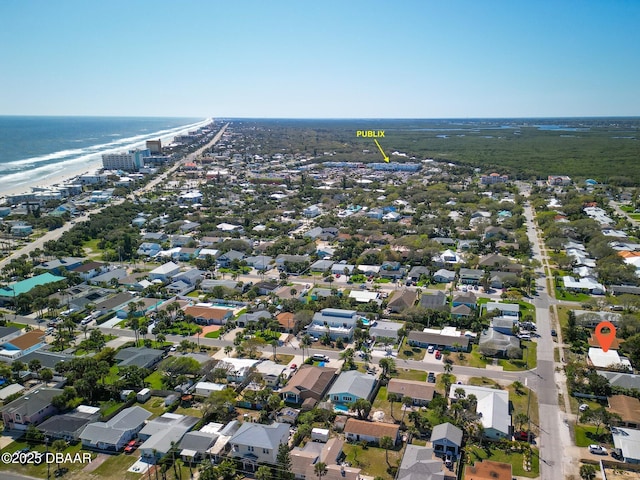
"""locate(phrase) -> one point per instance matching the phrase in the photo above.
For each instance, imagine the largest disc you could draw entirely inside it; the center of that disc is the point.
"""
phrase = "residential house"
(308, 385)
(224, 260)
(418, 464)
(448, 257)
(493, 406)
(204, 315)
(385, 330)
(141, 357)
(468, 298)
(446, 439)
(503, 279)
(207, 286)
(338, 323)
(148, 249)
(446, 339)
(488, 470)
(372, 432)
(321, 266)
(252, 317)
(392, 270)
(444, 276)
(470, 276)
(255, 443)
(114, 434)
(504, 309)
(342, 269)
(160, 434)
(70, 425)
(500, 342)
(9, 390)
(436, 301)
(628, 408)
(164, 272)
(260, 262)
(287, 263)
(311, 211)
(271, 372)
(402, 300)
(585, 285)
(194, 445)
(22, 345)
(461, 311)
(420, 392)
(628, 441)
(351, 386)
(238, 369)
(416, 273)
(30, 409)
(303, 461)
(287, 322)
(90, 269)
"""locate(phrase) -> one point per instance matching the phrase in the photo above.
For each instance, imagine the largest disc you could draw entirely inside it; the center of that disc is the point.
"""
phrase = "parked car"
(617, 454)
(430, 349)
(131, 446)
(448, 460)
(554, 333)
(597, 449)
(431, 378)
(523, 436)
(293, 366)
(437, 354)
(584, 407)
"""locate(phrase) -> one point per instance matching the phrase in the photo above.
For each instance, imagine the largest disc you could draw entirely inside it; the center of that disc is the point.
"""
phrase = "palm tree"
(227, 350)
(393, 398)
(386, 442)
(58, 446)
(320, 469)
(388, 365)
(85, 329)
(305, 342)
(198, 333)
(406, 403)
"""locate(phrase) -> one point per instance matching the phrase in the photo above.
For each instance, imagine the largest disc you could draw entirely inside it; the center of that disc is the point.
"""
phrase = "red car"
(438, 354)
(293, 366)
(131, 446)
(522, 436)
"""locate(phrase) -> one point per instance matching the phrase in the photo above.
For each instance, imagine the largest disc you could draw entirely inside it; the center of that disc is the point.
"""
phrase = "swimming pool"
(342, 408)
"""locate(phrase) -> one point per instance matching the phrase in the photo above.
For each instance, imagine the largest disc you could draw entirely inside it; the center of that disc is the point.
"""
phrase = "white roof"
(363, 296)
(239, 363)
(168, 267)
(209, 386)
(586, 283)
(226, 227)
(628, 441)
(492, 403)
(601, 359)
(10, 390)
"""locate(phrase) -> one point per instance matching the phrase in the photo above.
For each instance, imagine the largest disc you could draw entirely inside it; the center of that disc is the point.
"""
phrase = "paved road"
(550, 441)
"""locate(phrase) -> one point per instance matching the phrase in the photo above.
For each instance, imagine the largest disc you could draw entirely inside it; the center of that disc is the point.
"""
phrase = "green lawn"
(520, 402)
(371, 460)
(214, 334)
(528, 362)
(154, 380)
(515, 459)
(115, 468)
(406, 374)
(155, 405)
(40, 471)
(108, 407)
(571, 296)
(586, 435)
(407, 352)
(112, 376)
(472, 359)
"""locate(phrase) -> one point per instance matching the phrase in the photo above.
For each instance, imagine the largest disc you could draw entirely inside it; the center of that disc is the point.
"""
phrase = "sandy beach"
(69, 172)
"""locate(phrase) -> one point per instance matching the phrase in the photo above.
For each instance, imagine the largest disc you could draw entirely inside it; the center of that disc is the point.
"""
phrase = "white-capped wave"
(109, 147)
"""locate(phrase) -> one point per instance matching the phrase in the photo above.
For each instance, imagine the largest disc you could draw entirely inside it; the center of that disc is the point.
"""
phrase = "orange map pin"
(605, 339)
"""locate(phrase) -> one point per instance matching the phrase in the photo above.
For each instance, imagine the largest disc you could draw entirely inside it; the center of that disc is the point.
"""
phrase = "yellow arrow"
(386, 158)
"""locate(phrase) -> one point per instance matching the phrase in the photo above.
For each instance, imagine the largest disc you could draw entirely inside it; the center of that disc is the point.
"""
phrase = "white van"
(319, 357)
(430, 349)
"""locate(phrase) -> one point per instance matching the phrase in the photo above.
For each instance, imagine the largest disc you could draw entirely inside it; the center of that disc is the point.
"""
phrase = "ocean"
(33, 149)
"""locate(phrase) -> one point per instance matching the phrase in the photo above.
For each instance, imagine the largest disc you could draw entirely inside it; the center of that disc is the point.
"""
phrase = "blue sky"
(377, 59)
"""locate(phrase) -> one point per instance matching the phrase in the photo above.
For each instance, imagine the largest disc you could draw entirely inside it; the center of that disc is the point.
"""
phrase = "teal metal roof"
(25, 286)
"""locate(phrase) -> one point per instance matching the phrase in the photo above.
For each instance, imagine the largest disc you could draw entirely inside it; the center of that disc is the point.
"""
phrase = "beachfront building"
(132, 161)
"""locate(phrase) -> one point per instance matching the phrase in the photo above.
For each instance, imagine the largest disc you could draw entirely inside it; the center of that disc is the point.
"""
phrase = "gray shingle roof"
(356, 383)
(448, 431)
(32, 402)
(261, 436)
(112, 431)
